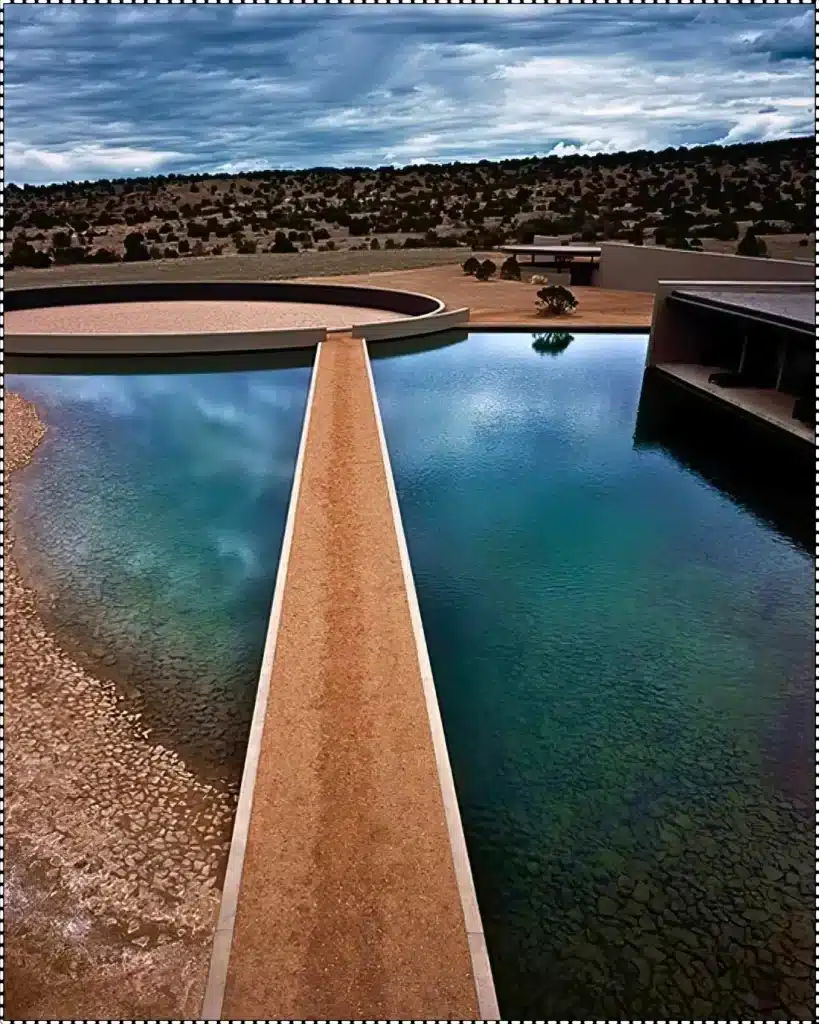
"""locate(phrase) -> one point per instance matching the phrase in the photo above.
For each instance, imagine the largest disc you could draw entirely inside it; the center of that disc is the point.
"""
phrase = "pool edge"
(476, 938)
(216, 983)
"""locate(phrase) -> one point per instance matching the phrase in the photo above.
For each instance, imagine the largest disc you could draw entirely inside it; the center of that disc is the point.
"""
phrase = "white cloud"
(84, 160)
(228, 88)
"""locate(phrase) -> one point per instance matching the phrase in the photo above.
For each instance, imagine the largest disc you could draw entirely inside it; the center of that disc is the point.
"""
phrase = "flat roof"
(789, 307)
(571, 250)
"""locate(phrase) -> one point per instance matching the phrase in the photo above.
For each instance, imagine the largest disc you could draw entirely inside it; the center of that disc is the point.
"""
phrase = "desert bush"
(555, 300)
(68, 254)
(184, 245)
(24, 254)
(485, 270)
(135, 250)
(471, 265)
(751, 245)
(375, 244)
(102, 256)
(281, 243)
(510, 270)
(170, 253)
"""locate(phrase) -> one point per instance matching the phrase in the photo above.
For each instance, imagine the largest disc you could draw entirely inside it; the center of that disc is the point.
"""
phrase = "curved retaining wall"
(431, 323)
(409, 304)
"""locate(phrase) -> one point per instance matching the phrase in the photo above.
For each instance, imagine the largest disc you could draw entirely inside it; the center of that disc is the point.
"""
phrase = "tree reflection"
(551, 342)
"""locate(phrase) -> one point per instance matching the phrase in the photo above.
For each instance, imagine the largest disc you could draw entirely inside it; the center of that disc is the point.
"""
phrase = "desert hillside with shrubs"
(758, 197)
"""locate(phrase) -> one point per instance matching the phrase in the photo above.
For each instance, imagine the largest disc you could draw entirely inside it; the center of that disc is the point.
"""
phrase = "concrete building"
(641, 268)
(749, 346)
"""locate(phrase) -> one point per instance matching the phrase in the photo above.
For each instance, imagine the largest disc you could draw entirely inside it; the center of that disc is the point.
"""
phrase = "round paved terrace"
(201, 316)
(190, 317)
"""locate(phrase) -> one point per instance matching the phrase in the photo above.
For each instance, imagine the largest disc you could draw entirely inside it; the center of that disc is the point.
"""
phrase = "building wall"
(675, 338)
(641, 268)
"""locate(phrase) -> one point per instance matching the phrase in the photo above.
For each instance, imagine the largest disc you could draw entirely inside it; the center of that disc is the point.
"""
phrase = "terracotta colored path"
(512, 303)
(349, 906)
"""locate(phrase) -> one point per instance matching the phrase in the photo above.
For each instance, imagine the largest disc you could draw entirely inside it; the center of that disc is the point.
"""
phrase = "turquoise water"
(150, 522)
(623, 653)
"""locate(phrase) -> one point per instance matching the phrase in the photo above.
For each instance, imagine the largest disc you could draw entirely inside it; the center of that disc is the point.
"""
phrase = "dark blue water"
(623, 655)
(150, 523)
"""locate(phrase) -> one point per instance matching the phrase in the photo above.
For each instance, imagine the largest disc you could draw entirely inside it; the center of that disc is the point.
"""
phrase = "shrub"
(485, 270)
(375, 244)
(751, 245)
(25, 255)
(135, 250)
(555, 300)
(69, 254)
(471, 265)
(510, 270)
(102, 256)
(635, 236)
(281, 243)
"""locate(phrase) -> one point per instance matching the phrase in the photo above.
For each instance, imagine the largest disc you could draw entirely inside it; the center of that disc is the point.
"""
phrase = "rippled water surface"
(623, 654)
(150, 521)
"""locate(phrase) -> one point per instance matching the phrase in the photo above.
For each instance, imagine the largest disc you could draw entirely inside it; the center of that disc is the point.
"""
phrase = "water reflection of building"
(739, 456)
(749, 347)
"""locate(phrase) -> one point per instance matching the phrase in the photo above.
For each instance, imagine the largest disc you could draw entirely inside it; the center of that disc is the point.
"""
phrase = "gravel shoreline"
(115, 849)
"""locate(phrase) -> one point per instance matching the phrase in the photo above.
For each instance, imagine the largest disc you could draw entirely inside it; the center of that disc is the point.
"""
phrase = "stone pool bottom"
(623, 654)
(189, 317)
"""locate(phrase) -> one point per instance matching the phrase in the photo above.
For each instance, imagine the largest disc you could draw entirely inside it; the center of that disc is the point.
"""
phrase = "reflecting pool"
(150, 522)
(622, 649)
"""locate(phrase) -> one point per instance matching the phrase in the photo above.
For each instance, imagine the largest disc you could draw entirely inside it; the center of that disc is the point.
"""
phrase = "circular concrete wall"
(202, 316)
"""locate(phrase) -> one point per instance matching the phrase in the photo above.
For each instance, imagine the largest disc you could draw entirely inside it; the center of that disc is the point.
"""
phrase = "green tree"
(555, 300)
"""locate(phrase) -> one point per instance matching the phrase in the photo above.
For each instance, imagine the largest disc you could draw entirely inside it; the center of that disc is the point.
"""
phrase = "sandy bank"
(114, 848)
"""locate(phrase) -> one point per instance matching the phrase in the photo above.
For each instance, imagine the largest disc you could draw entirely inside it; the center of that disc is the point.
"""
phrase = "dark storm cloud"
(106, 91)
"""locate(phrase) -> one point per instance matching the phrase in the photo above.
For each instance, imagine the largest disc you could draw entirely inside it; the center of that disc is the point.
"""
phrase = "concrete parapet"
(415, 327)
(639, 268)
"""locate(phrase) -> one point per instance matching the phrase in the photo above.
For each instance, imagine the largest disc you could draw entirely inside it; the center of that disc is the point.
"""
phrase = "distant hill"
(707, 195)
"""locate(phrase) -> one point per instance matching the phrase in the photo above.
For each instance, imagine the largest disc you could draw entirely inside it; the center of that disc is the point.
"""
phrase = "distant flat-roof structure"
(582, 261)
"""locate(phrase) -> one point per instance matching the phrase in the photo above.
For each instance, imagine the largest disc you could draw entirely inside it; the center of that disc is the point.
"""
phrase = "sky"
(117, 91)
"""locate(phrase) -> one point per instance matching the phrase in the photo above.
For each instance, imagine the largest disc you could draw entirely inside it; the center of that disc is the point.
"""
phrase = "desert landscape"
(707, 197)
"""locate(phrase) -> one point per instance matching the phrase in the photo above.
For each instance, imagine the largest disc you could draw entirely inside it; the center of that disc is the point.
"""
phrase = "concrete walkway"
(349, 905)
